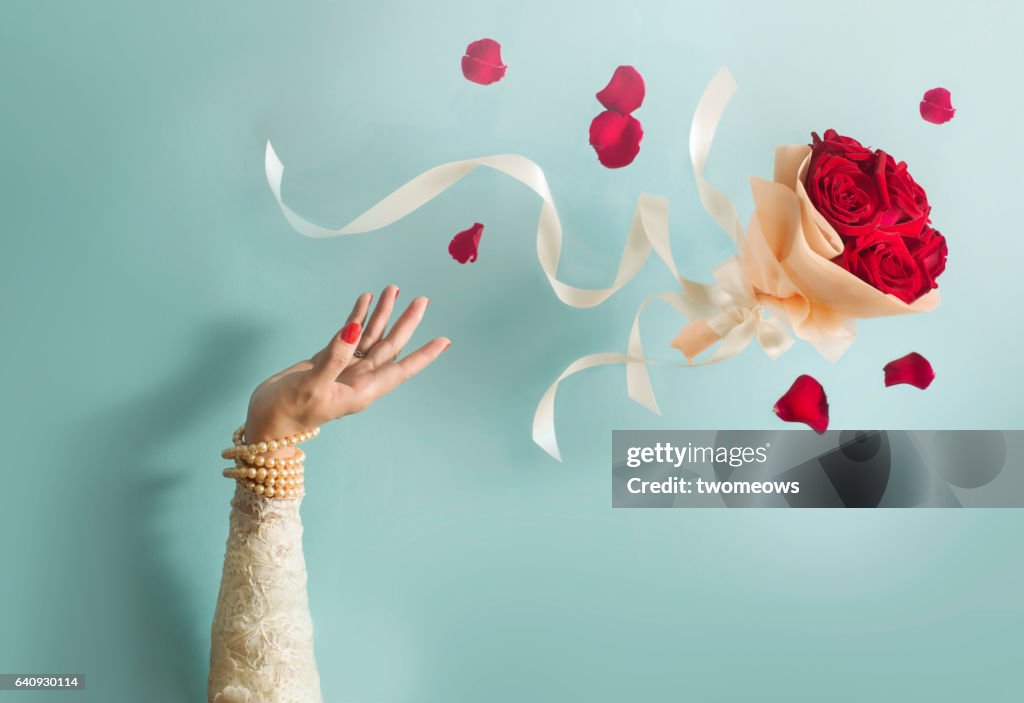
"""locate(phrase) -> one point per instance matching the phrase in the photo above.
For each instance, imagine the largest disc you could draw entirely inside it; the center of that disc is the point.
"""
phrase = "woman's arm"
(262, 637)
(261, 647)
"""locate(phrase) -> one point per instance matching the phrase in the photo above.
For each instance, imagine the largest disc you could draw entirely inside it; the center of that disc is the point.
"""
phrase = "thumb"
(339, 351)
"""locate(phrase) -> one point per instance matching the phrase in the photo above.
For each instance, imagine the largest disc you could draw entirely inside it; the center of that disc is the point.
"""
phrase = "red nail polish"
(396, 291)
(351, 332)
(447, 344)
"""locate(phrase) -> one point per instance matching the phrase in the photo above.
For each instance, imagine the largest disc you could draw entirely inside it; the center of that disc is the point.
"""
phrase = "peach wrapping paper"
(787, 257)
(781, 266)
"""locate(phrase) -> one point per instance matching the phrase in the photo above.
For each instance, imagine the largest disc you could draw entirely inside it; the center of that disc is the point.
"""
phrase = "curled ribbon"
(725, 312)
(429, 184)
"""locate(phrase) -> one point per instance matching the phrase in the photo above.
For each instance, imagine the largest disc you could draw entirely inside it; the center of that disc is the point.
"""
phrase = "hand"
(335, 382)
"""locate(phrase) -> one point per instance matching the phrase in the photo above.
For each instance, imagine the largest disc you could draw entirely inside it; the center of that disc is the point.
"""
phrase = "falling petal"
(936, 106)
(616, 138)
(482, 62)
(465, 245)
(487, 50)
(624, 92)
(804, 402)
(912, 369)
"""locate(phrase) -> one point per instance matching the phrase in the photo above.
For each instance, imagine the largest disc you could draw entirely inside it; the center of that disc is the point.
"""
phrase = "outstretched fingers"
(387, 350)
(389, 377)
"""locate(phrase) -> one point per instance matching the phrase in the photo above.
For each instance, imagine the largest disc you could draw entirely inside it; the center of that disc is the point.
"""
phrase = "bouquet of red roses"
(880, 213)
(841, 232)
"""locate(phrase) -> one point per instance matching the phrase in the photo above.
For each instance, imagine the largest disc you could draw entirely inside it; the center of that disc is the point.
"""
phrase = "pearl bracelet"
(273, 477)
(269, 462)
(256, 448)
(266, 483)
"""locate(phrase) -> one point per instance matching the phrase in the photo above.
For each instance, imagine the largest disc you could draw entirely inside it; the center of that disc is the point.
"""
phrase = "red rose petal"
(616, 138)
(465, 245)
(912, 369)
(486, 50)
(936, 106)
(836, 143)
(624, 92)
(804, 402)
(482, 62)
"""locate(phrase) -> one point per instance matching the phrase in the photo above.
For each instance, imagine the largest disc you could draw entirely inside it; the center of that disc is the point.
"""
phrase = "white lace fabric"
(261, 647)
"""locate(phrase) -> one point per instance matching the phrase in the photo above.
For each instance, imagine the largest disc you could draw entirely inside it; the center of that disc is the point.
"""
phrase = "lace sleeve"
(262, 637)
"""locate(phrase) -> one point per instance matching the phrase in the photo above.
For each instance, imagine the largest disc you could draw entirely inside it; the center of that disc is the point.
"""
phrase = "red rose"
(850, 197)
(884, 260)
(835, 143)
(929, 250)
(908, 204)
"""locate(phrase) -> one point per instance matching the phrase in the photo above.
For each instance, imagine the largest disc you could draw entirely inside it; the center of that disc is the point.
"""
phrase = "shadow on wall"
(132, 562)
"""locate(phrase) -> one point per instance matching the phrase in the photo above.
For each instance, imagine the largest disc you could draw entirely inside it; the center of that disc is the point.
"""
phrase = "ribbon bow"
(738, 318)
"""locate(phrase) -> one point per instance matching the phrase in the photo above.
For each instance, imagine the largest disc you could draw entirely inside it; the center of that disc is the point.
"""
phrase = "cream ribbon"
(428, 185)
(728, 305)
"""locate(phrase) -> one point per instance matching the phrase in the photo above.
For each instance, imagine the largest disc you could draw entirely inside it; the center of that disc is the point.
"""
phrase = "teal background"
(148, 282)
